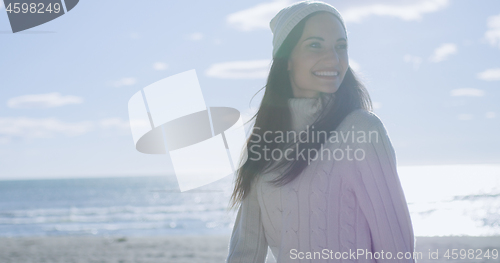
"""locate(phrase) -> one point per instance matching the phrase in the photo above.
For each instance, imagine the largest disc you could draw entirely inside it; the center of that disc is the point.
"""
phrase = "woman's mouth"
(326, 74)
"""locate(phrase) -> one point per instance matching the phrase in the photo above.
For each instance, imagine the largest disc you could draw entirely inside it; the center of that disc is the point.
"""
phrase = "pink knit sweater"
(337, 210)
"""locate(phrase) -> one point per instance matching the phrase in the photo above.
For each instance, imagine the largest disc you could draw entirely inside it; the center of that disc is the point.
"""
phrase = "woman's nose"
(331, 57)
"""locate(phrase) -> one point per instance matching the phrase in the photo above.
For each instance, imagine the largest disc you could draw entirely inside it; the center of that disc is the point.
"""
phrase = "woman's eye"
(315, 45)
(342, 46)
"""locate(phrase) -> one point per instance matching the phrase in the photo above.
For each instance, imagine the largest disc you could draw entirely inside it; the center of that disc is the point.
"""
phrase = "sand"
(177, 249)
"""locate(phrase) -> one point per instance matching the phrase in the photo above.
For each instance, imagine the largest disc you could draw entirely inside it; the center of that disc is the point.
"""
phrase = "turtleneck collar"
(304, 111)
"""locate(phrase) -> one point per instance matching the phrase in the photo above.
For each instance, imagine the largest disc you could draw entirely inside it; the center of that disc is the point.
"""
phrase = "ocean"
(443, 201)
(128, 206)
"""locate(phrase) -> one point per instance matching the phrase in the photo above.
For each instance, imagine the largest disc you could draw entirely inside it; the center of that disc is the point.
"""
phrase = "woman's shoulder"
(360, 119)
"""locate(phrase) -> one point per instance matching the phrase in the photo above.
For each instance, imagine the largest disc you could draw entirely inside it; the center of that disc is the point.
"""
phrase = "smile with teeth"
(326, 73)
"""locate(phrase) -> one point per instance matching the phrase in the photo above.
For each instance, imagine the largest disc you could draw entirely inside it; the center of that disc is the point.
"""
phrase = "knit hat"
(290, 16)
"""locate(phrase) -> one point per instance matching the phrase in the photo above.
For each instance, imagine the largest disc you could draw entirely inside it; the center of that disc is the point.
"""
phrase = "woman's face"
(319, 61)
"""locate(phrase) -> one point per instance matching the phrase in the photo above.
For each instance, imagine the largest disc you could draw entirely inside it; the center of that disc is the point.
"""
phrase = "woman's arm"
(378, 190)
(248, 242)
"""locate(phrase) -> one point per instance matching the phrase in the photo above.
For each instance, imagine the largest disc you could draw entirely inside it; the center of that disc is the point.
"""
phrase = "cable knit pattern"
(347, 221)
(319, 210)
(338, 205)
(290, 221)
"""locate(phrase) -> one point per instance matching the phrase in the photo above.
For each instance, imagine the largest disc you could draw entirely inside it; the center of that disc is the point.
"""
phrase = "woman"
(320, 183)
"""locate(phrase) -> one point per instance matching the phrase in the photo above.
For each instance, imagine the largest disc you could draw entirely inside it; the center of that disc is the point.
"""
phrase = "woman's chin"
(329, 90)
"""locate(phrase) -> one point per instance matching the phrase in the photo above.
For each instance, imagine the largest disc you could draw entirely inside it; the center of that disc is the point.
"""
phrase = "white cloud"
(489, 74)
(196, 36)
(114, 123)
(124, 82)
(492, 35)
(443, 52)
(465, 117)
(405, 11)
(250, 69)
(31, 128)
(160, 66)
(256, 17)
(48, 100)
(490, 115)
(34, 128)
(259, 16)
(414, 60)
(354, 65)
(467, 92)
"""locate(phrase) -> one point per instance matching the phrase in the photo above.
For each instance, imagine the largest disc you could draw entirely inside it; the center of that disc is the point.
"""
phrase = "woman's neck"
(304, 111)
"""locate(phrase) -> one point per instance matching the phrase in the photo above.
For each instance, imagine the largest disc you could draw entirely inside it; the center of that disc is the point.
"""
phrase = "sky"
(432, 68)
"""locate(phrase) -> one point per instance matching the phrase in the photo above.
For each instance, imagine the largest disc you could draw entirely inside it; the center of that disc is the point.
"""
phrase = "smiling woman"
(292, 203)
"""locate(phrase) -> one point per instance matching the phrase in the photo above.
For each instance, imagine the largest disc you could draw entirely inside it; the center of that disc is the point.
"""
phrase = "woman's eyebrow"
(319, 38)
(322, 39)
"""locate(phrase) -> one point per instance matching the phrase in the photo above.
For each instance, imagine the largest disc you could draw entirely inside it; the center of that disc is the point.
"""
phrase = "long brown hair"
(274, 115)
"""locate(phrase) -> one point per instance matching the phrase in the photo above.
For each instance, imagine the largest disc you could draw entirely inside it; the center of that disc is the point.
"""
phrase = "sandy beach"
(184, 249)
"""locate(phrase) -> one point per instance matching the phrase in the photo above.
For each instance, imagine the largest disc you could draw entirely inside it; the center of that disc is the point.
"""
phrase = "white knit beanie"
(290, 16)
